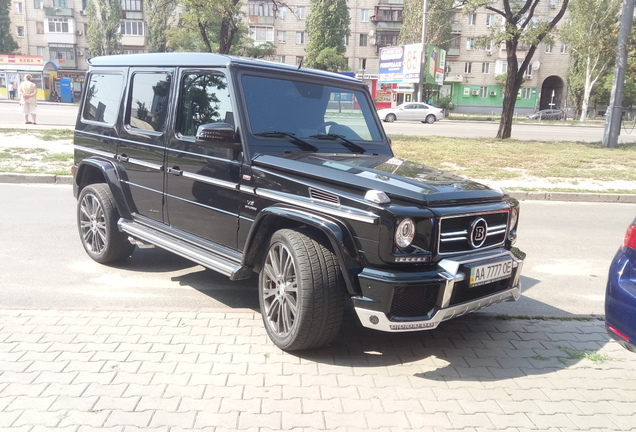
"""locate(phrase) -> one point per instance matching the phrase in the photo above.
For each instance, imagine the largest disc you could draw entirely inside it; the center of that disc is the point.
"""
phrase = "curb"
(574, 197)
(36, 178)
(521, 196)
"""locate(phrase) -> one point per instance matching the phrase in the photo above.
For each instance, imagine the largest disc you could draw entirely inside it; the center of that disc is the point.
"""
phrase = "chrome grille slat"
(455, 231)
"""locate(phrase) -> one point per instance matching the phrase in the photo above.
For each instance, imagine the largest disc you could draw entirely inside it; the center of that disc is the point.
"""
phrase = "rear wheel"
(301, 292)
(97, 219)
(430, 119)
(390, 118)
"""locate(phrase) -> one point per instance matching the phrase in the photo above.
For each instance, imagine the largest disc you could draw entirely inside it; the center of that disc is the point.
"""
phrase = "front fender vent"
(322, 196)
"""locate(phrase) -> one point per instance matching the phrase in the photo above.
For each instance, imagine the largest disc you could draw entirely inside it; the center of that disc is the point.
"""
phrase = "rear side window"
(149, 101)
(103, 97)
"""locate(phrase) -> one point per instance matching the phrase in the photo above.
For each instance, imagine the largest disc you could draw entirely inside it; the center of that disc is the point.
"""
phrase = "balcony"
(452, 52)
(58, 12)
(262, 20)
(456, 27)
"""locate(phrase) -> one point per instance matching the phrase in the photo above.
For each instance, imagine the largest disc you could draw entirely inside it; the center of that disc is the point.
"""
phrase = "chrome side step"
(214, 261)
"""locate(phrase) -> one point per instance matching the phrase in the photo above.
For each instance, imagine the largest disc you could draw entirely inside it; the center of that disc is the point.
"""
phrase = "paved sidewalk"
(217, 371)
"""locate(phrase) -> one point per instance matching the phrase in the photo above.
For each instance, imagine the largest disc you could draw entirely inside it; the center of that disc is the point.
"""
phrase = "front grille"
(462, 293)
(455, 232)
(414, 301)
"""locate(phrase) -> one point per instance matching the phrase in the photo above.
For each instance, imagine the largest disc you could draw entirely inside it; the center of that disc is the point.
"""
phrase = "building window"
(483, 91)
(472, 19)
(62, 52)
(261, 9)
(529, 72)
(363, 39)
(282, 36)
(346, 40)
(19, 8)
(564, 48)
(456, 41)
(20, 31)
(301, 12)
(300, 38)
(468, 67)
(37, 4)
(282, 12)
(133, 51)
(364, 15)
(488, 47)
(501, 67)
(548, 48)
(132, 28)
(470, 43)
(131, 5)
(299, 60)
(39, 27)
(363, 64)
(485, 68)
(525, 93)
(387, 13)
(62, 4)
(40, 50)
(58, 25)
(388, 39)
(281, 59)
(490, 20)
(262, 33)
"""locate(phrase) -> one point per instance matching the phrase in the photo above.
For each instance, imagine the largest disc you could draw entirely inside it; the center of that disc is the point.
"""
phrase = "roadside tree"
(438, 22)
(160, 14)
(104, 31)
(327, 27)
(8, 45)
(518, 27)
(591, 35)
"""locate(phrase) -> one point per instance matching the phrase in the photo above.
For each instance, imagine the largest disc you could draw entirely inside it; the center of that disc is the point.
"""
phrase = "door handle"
(175, 171)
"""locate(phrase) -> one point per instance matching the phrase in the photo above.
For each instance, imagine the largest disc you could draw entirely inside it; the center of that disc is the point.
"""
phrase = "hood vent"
(318, 195)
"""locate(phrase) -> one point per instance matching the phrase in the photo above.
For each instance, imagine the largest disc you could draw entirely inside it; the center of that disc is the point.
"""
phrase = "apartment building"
(55, 31)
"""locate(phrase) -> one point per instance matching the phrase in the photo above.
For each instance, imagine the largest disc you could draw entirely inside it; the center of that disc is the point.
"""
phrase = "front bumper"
(410, 301)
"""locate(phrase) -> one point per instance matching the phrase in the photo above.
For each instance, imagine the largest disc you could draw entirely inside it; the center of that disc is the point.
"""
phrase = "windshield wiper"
(345, 142)
(301, 144)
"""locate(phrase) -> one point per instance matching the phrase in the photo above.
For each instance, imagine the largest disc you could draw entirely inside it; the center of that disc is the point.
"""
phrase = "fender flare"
(111, 175)
(277, 217)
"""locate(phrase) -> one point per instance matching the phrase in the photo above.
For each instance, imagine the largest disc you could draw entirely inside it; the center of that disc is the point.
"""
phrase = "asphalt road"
(43, 265)
(63, 115)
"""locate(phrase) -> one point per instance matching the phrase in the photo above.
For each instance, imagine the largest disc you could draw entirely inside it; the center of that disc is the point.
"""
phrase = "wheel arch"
(337, 236)
(91, 171)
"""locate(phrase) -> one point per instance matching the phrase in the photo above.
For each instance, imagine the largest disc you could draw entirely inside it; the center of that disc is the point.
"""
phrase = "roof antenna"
(300, 64)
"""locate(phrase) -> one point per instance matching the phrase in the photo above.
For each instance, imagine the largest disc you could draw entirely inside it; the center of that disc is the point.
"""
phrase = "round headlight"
(404, 233)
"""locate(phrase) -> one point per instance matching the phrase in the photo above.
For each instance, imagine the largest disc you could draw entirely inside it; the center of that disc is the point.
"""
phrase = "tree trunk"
(587, 90)
(511, 89)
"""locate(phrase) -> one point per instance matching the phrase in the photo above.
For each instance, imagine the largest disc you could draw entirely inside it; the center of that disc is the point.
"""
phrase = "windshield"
(283, 113)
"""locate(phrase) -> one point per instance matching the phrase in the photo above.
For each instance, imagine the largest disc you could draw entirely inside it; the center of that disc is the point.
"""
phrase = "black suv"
(248, 166)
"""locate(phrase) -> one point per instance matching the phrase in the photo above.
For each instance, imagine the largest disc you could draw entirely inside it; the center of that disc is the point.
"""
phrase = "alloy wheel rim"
(93, 223)
(280, 290)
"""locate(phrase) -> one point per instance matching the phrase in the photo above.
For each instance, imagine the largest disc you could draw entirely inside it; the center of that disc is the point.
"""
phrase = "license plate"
(491, 272)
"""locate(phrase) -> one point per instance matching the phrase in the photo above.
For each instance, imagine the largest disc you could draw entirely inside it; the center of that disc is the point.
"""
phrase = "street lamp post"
(420, 89)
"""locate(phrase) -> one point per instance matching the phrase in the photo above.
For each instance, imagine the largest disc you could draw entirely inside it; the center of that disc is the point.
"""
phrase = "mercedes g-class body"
(246, 166)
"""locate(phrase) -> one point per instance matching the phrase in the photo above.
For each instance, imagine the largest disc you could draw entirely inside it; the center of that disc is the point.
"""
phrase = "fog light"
(374, 319)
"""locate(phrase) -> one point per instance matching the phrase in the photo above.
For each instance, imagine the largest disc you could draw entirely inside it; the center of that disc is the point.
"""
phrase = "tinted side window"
(148, 107)
(205, 98)
(102, 98)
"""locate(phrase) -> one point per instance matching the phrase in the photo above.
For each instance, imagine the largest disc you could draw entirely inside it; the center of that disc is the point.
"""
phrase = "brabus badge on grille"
(478, 233)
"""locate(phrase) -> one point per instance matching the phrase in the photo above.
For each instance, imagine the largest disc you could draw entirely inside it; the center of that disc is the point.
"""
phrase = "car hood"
(398, 178)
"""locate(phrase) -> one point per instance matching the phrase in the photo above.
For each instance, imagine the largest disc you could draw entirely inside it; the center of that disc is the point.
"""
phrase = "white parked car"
(412, 111)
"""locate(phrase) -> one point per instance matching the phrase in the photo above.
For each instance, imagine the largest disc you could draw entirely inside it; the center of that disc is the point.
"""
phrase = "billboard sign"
(400, 64)
(436, 64)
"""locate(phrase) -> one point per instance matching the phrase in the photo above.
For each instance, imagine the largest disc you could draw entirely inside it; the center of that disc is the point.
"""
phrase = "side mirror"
(218, 134)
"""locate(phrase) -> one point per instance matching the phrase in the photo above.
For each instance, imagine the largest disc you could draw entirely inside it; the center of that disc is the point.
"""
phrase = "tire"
(97, 219)
(301, 292)
(390, 118)
(430, 119)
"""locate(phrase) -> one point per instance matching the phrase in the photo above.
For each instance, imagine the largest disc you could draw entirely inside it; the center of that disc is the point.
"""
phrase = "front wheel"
(430, 119)
(97, 223)
(390, 118)
(301, 292)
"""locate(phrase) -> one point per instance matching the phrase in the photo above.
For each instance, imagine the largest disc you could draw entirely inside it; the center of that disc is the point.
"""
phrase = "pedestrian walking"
(28, 99)
(11, 89)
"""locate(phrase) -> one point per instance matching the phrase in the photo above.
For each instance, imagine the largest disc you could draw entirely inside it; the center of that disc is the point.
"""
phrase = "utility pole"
(419, 91)
(615, 109)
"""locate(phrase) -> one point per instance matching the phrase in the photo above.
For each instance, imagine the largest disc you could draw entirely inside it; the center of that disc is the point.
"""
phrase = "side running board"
(217, 262)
